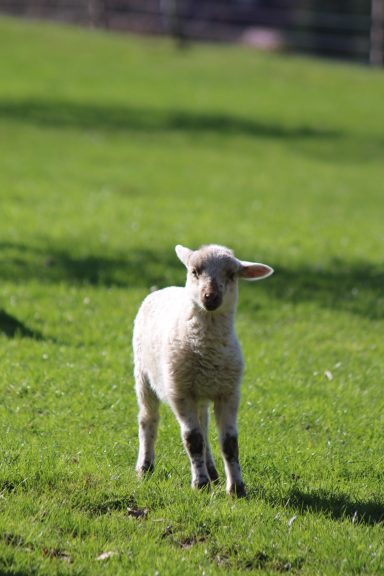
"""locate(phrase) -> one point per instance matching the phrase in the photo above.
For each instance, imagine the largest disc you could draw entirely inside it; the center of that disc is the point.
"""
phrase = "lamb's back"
(157, 315)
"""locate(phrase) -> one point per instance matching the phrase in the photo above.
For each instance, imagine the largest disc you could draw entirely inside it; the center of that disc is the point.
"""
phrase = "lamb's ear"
(254, 271)
(183, 254)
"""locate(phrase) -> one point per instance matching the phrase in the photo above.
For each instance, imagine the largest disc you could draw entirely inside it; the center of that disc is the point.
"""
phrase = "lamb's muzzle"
(211, 298)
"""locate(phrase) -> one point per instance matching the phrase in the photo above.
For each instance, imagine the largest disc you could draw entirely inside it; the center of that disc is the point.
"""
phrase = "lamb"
(186, 354)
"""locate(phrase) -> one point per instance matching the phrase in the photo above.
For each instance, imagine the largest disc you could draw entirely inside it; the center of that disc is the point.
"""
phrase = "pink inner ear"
(255, 271)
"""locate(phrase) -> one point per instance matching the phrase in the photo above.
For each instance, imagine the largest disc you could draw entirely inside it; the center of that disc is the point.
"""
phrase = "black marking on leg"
(194, 442)
(202, 483)
(213, 474)
(231, 448)
(146, 468)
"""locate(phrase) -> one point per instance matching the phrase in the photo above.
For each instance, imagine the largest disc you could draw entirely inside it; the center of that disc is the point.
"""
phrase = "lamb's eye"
(195, 273)
(231, 276)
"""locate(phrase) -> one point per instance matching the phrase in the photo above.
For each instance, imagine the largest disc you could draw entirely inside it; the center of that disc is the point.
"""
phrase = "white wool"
(183, 350)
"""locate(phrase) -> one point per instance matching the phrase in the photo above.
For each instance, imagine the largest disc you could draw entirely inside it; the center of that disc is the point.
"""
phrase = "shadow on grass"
(105, 505)
(117, 118)
(12, 327)
(324, 144)
(337, 507)
(135, 268)
(6, 570)
(355, 287)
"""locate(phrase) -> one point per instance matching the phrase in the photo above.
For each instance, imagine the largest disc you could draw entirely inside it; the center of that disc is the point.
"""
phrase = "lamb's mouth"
(213, 305)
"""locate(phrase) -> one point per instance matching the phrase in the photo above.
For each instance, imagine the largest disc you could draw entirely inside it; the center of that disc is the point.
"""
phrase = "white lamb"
(186, 354)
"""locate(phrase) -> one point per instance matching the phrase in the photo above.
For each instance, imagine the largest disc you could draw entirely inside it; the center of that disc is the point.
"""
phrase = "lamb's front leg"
(186, 412)
(226, 417)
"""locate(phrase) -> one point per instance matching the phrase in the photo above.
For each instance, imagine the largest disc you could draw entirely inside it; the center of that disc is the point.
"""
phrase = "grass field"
(112, 150)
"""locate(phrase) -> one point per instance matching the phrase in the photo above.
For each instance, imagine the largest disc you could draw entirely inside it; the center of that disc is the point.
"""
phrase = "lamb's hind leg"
(148, 423)
(204, 423)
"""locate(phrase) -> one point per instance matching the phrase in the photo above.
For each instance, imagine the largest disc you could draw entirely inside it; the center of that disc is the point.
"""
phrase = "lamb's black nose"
(211, 300)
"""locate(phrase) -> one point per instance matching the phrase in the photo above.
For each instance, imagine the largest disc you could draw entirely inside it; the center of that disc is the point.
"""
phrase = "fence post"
(96, 13)
(376, 33)
(174, 20)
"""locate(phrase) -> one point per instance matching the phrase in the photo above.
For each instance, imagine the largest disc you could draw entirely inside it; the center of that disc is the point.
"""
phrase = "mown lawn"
(112, 150)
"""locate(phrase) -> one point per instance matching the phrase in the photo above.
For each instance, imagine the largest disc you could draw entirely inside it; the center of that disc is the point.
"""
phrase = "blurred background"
(348, 29)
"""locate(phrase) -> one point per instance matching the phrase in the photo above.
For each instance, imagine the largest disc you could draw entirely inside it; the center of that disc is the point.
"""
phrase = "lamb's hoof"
(237, 490)
(202, 484)
(144, 469)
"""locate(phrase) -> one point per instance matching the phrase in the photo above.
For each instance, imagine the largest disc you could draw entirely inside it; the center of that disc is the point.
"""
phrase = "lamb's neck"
(211, 325)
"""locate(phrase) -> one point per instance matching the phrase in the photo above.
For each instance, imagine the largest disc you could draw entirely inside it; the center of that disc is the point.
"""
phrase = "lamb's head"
(212, 274)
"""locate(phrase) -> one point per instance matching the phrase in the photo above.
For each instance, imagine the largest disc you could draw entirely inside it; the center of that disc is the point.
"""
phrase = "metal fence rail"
(347, 29)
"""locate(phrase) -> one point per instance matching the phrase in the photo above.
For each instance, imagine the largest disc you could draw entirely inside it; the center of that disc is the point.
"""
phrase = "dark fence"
(351, 29)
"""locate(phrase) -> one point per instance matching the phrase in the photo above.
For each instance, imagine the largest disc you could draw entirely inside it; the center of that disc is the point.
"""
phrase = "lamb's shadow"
(337, 506)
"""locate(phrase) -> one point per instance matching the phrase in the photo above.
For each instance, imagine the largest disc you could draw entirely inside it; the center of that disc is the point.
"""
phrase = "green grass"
(112, 150)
